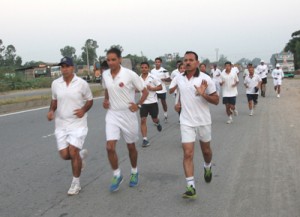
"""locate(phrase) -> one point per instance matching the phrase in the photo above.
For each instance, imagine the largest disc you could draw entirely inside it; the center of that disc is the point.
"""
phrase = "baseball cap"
(66, 60)
(277, 65)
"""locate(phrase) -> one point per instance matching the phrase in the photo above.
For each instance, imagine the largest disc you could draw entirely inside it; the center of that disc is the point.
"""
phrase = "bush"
(19, 83)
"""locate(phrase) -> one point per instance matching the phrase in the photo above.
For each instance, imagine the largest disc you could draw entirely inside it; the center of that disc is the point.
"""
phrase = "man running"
(176, 71)
(277, 75)
(120, 84)
(229, 82)
(196, 91)
(164, 76)
(262, 71)
(150, 105)
(216, 73)
(71, 99)
(252, 83)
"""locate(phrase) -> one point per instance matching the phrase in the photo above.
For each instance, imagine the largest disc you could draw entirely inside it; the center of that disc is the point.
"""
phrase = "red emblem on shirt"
(121, 84)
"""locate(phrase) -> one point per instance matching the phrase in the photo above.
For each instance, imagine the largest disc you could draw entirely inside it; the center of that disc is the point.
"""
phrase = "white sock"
(190, 181)
(207, 165)
(230, 117)
(76, 180)
(145, 138)
(166, 114)
(117, 172)
(134, 170)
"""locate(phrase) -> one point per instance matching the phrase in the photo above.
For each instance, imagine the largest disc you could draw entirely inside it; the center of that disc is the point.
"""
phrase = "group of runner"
(194, 89)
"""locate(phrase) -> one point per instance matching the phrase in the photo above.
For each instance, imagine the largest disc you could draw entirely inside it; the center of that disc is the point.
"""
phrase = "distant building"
(286, 61)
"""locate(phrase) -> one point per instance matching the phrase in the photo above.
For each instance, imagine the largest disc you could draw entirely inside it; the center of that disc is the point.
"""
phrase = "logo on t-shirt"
(121, 84)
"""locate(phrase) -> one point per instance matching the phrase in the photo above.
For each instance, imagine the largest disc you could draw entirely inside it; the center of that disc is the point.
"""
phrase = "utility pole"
(87, 59)
(217, 54)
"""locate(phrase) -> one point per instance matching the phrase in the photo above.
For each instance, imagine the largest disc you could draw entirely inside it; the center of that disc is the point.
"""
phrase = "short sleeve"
(137, 82)
(87, 93)
(211, 87)
(173, 82)
(53, 90)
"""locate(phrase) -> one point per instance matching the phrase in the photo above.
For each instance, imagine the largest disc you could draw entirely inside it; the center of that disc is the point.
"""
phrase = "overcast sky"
(238, 28)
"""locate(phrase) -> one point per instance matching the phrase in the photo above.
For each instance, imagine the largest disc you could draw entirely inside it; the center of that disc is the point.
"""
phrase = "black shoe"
(190, 193)
(207, 174)
(145, 143)
(159, 128)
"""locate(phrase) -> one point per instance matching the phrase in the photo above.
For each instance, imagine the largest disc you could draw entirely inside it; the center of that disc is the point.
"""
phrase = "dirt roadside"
(15, 101)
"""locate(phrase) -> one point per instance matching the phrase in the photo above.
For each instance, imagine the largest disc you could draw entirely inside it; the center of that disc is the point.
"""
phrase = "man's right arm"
(52, 109)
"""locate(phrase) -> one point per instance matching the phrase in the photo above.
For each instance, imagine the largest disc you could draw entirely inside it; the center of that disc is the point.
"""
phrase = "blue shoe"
(115, 183)
(159, 128)
(146, 143)
(134, 180)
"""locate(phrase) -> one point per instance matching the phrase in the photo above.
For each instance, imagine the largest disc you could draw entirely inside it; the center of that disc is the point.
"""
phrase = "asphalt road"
(256, 167)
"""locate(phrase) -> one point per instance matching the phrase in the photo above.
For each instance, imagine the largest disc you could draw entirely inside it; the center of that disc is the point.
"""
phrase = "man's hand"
(177, 107)
(50, 115)
(79, 113)
(235, 83)
(201, 90)
(133, 107)
(106, 104)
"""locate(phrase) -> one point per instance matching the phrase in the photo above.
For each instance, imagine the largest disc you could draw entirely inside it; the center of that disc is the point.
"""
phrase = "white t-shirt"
(229, 79)
(246, 73)
(153, 82)
(235, 69)
(277, 73)
(194, 109)
(161, 73)
(262, 70)
(70, 98)
(121, 89)
(175, 73)
(216, 73)
(251, 83)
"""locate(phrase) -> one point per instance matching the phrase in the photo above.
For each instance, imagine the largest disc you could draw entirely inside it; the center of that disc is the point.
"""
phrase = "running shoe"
(146, 143)
(115, 183)
(83, 154)
(74, 189)
(251, 113)
(166, 118)
(159, 128)
(207, 174)
(278, 95)
(229, 120)
(134, 179)
(190, 193)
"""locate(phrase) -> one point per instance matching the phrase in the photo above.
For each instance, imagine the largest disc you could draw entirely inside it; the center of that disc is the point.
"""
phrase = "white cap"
(262, 61)
(277, 65)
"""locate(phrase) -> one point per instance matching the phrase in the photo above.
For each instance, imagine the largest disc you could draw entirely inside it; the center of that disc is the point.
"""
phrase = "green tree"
(206, 61)
(222, 60)
(297, 54)
(2, 48)
(68, 51)
(256, 61)
(136, 61)
(89, 50)
(291, 46)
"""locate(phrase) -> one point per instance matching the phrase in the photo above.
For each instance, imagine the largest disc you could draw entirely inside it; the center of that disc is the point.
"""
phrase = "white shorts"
(74, 137)
(190, 134)
(123, 121)
(277, 82)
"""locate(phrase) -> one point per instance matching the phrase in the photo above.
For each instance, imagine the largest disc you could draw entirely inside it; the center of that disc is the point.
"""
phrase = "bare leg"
(111, 153)
(144, 126)
(133, 154)
(188, 155)
(75, 160)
